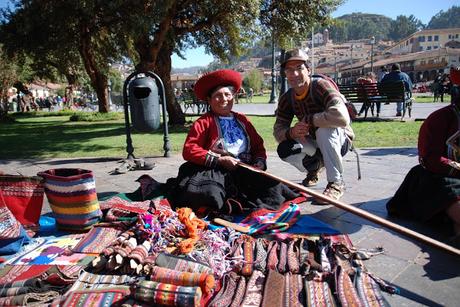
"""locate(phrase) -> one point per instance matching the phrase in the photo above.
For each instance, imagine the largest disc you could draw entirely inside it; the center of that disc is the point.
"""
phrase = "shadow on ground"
(402, 151)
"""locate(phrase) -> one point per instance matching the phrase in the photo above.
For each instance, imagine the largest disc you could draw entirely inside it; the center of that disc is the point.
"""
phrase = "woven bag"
(72, 195)
(12, 234)
(24, 198)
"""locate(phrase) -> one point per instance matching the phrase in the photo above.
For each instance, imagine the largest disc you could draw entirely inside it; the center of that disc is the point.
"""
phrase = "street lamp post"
(273, 92)
(372, 53)
(284, 86)
(351, 64)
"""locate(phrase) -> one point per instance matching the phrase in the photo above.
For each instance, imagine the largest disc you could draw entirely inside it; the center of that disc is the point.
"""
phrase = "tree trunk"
(160, 63)
(163, 64)
(4, 106)
(98, 79)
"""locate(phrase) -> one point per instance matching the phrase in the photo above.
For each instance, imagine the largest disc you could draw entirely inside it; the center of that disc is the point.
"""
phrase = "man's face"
(297, 74)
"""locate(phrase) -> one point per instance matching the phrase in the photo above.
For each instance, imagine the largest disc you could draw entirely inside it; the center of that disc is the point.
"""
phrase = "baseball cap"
(294, 55)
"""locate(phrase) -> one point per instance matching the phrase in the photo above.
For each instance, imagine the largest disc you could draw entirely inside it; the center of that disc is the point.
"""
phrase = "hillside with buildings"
(422, 55)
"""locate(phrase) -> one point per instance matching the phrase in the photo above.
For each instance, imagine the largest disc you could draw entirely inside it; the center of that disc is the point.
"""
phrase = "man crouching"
(319, 138)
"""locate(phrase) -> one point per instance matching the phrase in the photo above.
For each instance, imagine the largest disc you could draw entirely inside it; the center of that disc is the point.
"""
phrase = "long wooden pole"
(364, 214)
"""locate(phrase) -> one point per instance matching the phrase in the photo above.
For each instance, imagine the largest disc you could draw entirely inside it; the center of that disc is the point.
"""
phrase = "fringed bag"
(72, 195)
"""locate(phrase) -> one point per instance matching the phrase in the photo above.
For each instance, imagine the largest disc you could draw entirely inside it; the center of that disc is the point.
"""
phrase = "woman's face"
(221, 101)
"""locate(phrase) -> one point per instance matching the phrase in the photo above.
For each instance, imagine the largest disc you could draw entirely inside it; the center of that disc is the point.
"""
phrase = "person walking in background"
(250, 94)
(397, 75)
(319, 137)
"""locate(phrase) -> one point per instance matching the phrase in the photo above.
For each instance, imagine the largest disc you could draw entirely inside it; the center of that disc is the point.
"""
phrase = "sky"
(421, 9)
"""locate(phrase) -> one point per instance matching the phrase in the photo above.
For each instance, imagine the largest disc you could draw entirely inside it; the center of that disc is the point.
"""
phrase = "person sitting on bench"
(397, 75)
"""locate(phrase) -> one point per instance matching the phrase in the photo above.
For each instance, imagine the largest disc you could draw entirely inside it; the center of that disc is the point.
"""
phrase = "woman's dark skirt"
(424, 195)
(198, 186)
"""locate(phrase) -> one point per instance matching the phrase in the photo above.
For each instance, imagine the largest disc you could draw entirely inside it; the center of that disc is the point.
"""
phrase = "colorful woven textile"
(318, 294)
(205, 281)
(293, 290)
(270, 221)
(12, 234)
(181, 264)
(10, 228)
(13, 273)
(224, 296)
(96, 240)
(72, 197)
(239, 292)
(168, 295)
(52, 251)
(117, 202)
(30, 299)
(261, 255)
(88, 280)
(23, 196)
(368, 290)
(254, 290)
(273, 296)
(345, 290)
(248, 254)
(96, 297)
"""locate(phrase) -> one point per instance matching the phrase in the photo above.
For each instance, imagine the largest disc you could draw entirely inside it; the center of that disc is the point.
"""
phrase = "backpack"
(352, 112)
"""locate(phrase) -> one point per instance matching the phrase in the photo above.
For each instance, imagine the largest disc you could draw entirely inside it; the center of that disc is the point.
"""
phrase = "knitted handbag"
(24, 197)
(72, 195)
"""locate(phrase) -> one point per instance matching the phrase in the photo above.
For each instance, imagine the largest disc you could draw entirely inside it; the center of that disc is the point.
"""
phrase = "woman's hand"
(228, 162)
(259, 165)
(299, 130)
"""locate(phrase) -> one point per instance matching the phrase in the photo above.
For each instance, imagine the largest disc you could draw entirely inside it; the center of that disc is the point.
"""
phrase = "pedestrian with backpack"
(322, 135)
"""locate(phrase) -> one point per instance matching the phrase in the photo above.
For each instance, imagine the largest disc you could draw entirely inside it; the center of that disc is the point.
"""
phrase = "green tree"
(224, 28)
(8, 76)
(67, 35)
(360, 26)
(254, 79)
(447, 19)
(404, 26)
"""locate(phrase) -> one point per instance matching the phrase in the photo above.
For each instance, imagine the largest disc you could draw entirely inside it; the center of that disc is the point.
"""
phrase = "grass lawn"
(56, 136)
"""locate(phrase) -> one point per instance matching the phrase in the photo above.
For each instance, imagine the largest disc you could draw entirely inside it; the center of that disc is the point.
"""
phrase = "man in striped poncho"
(320, 136)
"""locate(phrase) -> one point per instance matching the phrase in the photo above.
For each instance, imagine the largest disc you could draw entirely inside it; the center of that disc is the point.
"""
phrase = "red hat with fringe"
(218, 78)
(455, 75)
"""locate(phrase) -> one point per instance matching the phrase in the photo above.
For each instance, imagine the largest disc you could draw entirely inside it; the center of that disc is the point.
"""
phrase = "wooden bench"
(371, 93)
(190, 102)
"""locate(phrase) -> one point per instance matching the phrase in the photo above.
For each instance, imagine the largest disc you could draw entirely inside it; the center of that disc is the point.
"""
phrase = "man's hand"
(228, 162)
(301, 129)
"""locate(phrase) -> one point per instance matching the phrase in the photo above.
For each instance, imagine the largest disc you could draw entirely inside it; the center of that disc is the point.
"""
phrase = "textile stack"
(143, 253)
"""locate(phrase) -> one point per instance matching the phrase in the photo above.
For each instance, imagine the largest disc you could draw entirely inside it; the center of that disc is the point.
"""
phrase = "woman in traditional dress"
(217, 142)
(432, 188)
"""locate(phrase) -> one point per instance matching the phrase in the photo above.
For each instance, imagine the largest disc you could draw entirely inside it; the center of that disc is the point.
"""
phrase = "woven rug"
(52, 251)
(96, 240)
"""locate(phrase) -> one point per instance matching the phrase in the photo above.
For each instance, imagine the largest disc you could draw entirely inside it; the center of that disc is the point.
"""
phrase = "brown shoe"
(334, 190)
(311, 179)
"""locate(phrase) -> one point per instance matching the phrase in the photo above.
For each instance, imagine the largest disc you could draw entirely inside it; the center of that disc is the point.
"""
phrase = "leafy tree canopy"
(447, 19)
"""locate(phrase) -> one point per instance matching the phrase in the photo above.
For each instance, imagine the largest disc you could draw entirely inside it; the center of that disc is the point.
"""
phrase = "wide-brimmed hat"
(454, 75)
(294, 55)
(218, 78)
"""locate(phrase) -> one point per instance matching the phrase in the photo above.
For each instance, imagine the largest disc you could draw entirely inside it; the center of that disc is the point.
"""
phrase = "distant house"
(425, 40)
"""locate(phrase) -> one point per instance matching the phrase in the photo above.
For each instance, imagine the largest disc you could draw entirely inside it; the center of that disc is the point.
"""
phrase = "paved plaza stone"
(425, 276)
